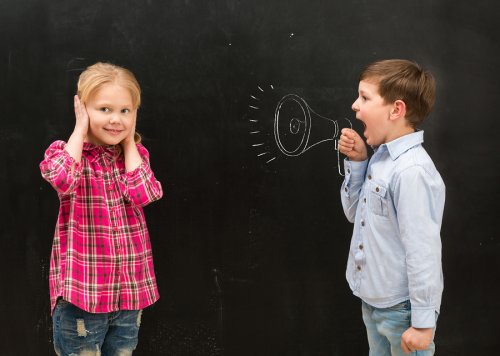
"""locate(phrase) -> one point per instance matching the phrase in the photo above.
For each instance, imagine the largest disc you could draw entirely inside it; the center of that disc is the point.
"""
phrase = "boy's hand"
(82, 118)
(416, 339)
(352, 145)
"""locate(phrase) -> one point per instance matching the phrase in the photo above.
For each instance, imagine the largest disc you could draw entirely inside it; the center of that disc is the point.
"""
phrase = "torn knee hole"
(80, 328)
(139, 317)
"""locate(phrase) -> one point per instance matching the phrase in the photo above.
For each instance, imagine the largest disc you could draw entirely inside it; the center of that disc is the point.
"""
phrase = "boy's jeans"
(384, 327)
(79, 333)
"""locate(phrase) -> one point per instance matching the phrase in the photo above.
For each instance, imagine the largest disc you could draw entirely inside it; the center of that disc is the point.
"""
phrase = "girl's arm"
(132, 156)
(60, 169)
(61, 165)
(74, 146)
(139, 185)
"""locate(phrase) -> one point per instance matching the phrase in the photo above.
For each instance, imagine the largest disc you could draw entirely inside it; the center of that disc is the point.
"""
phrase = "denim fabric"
(79, 333)
(384, 327)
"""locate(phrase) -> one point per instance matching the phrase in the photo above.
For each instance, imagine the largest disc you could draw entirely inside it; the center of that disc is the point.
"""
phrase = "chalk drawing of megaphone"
(297, 127)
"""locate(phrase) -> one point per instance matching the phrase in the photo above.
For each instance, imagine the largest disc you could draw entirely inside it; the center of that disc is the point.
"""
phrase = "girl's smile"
(111, 114)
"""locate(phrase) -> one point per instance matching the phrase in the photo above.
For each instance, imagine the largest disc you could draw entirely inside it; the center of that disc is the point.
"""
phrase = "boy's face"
(371, 109)
(111, 115)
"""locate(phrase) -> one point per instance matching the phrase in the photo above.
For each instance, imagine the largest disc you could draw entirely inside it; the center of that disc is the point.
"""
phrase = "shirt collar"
(402, 144)
(94, 151)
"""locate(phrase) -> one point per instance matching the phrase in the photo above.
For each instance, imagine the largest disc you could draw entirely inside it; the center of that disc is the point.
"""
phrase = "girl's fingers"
(78, 107)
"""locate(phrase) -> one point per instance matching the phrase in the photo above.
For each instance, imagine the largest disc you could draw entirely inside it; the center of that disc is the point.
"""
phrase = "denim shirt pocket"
(378, 199)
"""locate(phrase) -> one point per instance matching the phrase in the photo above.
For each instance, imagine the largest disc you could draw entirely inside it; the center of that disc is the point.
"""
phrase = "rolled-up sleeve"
(60, 169)
(140, 185)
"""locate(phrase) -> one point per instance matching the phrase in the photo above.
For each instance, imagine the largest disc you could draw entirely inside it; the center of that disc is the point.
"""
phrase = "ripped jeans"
(79, 333)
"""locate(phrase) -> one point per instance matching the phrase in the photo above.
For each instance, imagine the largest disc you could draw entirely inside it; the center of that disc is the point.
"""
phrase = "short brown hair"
(400, 79)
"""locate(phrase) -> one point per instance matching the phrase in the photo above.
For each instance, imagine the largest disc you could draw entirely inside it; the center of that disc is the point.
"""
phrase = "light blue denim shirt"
(396, 203)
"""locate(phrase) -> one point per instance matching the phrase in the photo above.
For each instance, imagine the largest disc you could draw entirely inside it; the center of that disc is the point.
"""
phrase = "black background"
(274, 232)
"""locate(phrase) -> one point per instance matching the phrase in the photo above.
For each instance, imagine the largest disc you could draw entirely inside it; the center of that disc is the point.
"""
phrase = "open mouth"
(364, 129)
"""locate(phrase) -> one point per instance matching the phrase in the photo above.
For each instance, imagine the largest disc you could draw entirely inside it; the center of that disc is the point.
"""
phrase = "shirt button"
(362, 223)
(115, 228)
(348, 170)
(361, 246)
(369, 176)
(364, 200)
(346, 189)
(377, 189)
(359, 268)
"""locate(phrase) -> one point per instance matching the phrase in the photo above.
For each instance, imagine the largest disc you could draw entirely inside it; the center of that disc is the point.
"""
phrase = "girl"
(101, 268)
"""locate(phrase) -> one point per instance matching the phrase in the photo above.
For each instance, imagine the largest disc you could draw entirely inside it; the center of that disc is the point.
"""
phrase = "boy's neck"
(400, 132)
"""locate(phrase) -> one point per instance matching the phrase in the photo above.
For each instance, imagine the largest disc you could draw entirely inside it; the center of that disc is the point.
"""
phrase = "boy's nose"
(355, 107)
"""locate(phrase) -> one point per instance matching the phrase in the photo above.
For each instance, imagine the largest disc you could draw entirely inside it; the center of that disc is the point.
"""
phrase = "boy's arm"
(419, 201)
(352, 146)
(416, 339)
(351, 187)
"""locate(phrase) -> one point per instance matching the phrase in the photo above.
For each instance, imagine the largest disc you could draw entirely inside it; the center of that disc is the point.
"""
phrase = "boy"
(395, 201)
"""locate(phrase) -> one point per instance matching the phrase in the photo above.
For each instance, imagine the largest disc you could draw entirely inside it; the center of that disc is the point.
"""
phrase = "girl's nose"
(113, 119)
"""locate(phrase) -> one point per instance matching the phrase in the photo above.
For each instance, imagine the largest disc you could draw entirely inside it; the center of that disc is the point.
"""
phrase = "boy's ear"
(398, 110)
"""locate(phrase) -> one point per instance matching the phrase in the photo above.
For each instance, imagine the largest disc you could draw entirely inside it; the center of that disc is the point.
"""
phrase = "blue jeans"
(79, 333)
(384, 327)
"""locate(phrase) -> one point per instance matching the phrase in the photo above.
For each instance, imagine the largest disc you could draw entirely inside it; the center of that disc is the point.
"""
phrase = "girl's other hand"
(130, 139)
(82, 118)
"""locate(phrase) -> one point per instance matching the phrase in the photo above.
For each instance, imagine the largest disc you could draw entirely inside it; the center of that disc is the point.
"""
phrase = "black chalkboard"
(250, 252)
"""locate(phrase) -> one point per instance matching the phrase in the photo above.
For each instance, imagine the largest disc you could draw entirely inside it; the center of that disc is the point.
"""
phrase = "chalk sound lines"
(258, 110)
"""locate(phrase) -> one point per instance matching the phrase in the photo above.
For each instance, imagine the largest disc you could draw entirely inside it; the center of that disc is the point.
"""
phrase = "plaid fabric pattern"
(101, 257)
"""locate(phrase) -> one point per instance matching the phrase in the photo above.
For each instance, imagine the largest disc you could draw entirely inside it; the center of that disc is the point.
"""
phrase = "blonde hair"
(400, 79)
(95, 76)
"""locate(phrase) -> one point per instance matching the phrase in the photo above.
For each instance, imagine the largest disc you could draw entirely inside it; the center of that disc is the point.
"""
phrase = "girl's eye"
(104, 109)
(125, 111)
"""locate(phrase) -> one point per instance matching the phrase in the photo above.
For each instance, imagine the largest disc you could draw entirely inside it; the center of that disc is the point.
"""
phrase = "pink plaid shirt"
(101, 255)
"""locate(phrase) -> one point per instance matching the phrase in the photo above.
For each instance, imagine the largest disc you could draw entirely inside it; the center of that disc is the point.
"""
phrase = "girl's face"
(374, 113)
(111, 115)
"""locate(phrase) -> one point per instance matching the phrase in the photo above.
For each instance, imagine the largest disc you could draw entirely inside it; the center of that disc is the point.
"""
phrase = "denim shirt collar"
(402, 144)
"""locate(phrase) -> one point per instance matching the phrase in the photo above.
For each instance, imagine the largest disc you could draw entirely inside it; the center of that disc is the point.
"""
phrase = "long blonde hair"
(99, 74)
